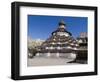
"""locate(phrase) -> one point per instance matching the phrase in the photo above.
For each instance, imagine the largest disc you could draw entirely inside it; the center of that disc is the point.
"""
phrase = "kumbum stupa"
(60, 44)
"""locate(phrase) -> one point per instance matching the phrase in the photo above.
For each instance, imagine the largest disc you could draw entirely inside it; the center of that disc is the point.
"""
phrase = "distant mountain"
(34, 43)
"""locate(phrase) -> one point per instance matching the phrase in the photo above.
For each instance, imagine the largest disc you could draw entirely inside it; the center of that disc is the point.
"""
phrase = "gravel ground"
(41, 61)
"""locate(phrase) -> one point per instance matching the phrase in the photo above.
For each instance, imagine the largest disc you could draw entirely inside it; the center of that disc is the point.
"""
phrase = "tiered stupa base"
(57, 55)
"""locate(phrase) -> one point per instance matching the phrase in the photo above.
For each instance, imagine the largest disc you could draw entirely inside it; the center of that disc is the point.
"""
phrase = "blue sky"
(41, 27)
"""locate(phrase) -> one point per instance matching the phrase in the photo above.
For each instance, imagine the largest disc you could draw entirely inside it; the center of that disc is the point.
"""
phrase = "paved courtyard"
(42, 61)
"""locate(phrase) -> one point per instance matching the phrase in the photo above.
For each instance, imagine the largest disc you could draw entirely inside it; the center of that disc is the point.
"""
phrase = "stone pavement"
(46, 61)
